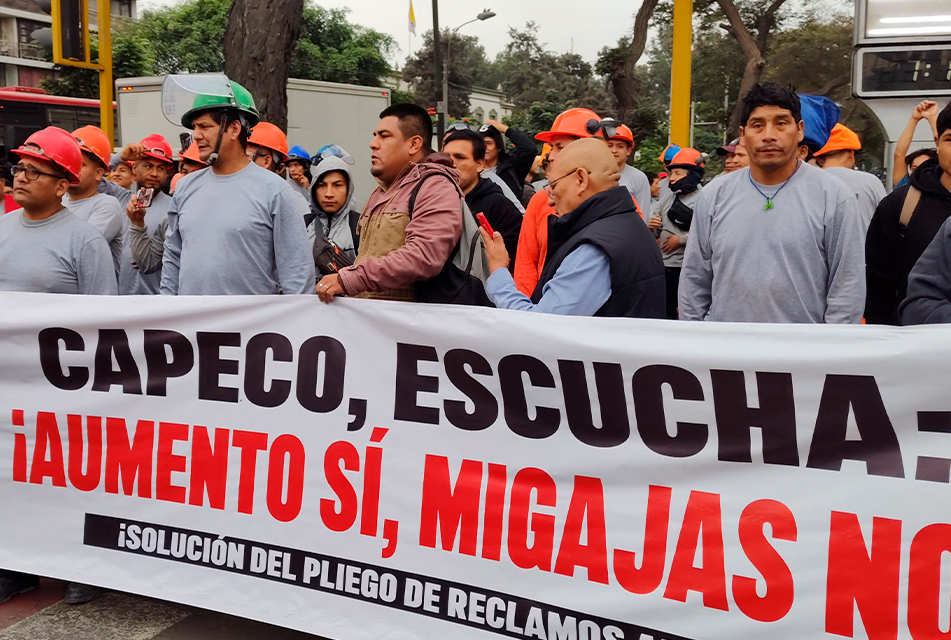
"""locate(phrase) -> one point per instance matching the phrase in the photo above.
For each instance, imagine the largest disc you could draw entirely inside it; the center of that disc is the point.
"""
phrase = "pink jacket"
(393, 259)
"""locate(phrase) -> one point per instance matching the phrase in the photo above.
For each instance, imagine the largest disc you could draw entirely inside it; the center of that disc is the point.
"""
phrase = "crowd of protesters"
(790, 231)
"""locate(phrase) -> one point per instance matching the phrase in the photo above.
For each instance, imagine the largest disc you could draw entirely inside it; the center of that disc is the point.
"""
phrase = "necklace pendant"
(769, 205)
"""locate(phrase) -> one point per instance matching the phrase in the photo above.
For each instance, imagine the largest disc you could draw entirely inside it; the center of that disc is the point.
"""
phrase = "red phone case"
(484, 223)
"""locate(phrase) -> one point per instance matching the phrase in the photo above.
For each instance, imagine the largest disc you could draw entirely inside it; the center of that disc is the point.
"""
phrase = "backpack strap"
(419, 185)
(912, 198)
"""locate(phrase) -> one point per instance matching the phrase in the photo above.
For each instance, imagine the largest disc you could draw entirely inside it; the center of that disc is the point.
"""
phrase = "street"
(40, 615)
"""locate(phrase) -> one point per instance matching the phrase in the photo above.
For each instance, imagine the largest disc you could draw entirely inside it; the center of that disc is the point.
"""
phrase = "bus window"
(62, 118)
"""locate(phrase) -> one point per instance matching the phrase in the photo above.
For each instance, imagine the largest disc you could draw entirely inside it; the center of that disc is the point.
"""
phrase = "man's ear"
(415, 144)
(802, 131)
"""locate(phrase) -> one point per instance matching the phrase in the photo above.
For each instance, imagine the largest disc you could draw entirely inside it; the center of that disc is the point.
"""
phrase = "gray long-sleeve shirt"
(801, 261)
(635, 181)
(237, 234)
(868, 191)
(929, 283)
(147, 278)
(105, 214)
(61, 254)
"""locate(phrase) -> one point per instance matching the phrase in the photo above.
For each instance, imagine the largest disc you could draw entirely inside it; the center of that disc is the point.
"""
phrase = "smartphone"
(143, 198)
(484, 223)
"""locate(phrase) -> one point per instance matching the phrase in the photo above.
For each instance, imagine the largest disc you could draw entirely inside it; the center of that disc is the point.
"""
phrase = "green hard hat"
(191, 94)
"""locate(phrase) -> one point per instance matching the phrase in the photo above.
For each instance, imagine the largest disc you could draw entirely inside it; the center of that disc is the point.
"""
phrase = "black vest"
(610, 222)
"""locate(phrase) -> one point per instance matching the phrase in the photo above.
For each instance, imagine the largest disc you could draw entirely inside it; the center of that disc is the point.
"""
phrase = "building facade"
(22, 61)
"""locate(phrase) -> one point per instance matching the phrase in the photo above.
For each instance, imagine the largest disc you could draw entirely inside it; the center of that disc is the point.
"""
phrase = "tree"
(332, 49)
(619, 63)
(468, 66)
(260, 39)
(529, 73)
(186, 37)
(130, 58)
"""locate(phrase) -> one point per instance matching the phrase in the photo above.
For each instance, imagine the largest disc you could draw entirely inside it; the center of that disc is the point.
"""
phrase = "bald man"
(602, 260)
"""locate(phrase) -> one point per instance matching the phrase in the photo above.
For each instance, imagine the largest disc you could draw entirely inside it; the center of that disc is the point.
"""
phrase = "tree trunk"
(259, 41)
(754, 58)
(623, 77)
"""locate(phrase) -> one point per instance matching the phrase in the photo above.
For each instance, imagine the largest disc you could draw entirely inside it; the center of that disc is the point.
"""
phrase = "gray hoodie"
(336, 226)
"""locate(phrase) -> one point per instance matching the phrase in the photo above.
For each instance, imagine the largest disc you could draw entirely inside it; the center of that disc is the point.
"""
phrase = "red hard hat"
(55, 146)
(95, 141)
(573, 122)
(191, 154)
(157, 147)
(687, 159)
(269, 136)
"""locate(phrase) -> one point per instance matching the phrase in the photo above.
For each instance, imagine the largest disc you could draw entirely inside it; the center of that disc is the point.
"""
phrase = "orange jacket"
(533, 242)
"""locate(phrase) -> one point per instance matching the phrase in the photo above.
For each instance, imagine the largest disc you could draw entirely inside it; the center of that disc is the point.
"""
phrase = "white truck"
(318, 113)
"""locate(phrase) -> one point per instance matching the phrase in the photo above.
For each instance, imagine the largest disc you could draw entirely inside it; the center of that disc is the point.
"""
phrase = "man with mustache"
(778, 241)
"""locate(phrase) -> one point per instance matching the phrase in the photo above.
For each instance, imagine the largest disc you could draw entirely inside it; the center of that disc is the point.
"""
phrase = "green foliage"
(399, 97)
(189, 37)
(538, 116)
(468, 67)
(131, 57)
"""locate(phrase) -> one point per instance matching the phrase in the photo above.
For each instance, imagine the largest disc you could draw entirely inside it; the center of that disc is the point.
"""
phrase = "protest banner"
(370, 470)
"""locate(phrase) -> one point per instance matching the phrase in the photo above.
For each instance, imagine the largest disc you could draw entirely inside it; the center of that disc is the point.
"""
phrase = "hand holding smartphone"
(484, 223)
(143, 197)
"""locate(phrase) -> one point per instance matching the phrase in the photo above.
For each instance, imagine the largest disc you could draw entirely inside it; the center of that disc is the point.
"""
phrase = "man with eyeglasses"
(84, 200)
(602, 260)
(569, 126)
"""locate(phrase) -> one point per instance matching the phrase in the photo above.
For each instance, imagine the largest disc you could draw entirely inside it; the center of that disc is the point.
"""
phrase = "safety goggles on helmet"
(608, 125)
(333, 151)
(462, 126)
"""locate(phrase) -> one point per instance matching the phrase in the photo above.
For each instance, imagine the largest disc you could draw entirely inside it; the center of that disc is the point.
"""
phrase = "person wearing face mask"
(670, 223)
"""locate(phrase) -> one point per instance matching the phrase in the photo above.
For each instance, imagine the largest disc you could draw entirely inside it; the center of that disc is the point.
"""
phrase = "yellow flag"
(412, 19)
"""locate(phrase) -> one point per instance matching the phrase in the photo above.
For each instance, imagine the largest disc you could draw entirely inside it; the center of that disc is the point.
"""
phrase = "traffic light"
(69, 38)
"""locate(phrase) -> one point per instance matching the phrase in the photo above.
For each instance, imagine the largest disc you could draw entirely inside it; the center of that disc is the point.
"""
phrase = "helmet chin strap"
(213, 158)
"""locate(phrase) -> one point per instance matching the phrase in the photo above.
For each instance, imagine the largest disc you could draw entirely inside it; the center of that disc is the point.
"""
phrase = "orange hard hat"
(573, 122)
(175, 180)
(94, 140)
(191, 154)
(623, 132)
(687, 159)
(269, 136)
(57, 147)
(841, 139)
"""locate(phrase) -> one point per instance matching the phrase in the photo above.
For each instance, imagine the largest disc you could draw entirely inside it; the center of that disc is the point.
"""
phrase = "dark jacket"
(889, 258)
(487, 198)
(610, 222)
(929, 284)
(514, 167)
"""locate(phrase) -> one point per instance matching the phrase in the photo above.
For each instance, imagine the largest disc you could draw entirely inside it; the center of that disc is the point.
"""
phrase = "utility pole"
(438, 62)
(680, 120)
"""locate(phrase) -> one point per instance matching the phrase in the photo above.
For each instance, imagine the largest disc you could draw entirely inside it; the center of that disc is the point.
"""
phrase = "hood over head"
(927, 179)
(324, 167)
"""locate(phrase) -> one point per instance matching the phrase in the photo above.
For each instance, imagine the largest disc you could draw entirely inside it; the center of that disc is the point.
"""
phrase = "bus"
(25, 110)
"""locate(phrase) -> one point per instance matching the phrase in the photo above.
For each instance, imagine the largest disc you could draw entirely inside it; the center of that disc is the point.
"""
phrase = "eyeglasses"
(549, 187)
(32, 174)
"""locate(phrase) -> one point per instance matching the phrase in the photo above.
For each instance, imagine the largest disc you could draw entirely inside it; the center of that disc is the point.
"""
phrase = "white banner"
(372, 470)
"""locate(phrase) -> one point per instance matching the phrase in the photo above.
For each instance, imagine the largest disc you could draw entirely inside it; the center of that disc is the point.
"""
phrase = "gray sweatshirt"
(868, 191)
(111, 188)
(335, 226)
(929, 283)
(105, 214)
(239, 234)
(147, 278)
(801, 261)
(635, 181)
(676, 257)
(61, 254)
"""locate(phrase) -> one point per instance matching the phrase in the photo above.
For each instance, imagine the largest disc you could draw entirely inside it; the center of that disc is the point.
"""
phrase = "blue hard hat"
(298, 154)
(819, 115)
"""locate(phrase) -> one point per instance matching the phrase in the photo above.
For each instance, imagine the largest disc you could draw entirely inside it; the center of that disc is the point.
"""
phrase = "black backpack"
(462, 279)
